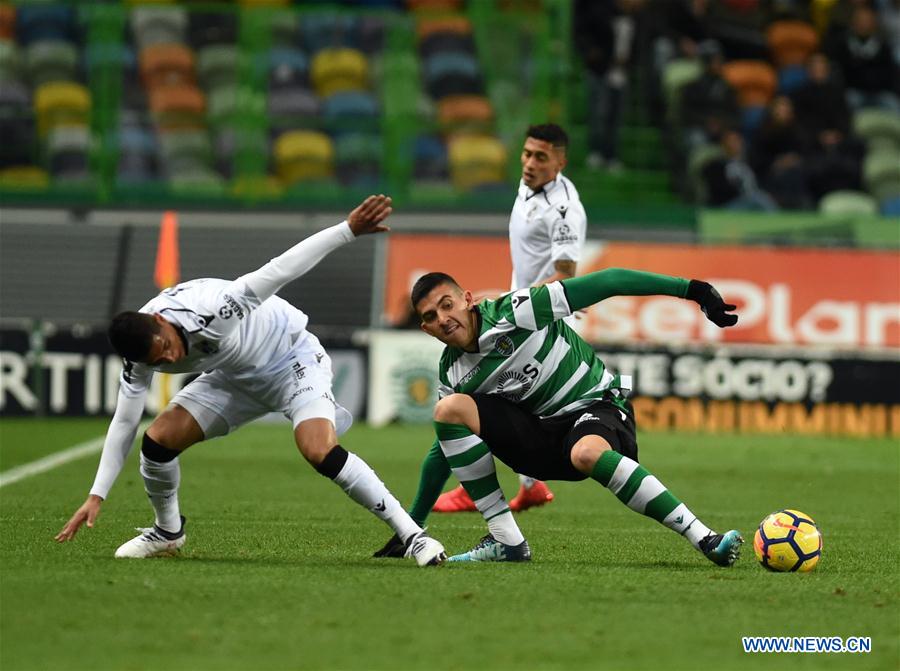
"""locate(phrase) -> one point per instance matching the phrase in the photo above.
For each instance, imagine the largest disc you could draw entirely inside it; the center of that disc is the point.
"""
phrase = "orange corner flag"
(167, 272)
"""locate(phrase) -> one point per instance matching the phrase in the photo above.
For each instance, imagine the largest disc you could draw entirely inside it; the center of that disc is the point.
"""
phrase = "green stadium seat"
(676, 75)
(10, 61)
(51, 61)
(158, 25)
(880, 128)
(218, 66)
(881, 174)
(848, 202)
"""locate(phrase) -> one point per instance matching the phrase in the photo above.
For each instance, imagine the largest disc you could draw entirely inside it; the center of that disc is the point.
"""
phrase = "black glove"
(715, 309)
(393, 548)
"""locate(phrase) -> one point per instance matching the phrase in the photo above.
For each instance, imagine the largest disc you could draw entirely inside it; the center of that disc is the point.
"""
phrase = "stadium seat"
(354, 110)
(10, 61)
(7, 22)
(430, 161)
(185, 147)
(218, 65)
(24, 177)
(209, 28)
(446, 41)
(879, 128)
(476, 160)
(288, 107)
(285, 67)
(283, 27)
(16, 127)
(699, 158)
(104, 54)
(178, 107)
(329, 31)
(791, 78)
(459, 25)
(153, 25)
(754, 81)
(235, 105)
(240, 146)
(881, 174)
(452, 73)
(371, 34)
(198, 182)
(67, 149)
(467, 112)
(358, 159)
(51, 61)
(167, 65)
(848, 202)
(36, 22)
(304, 156)
(255, 187)
(341, 69)
(136, 169)
(791, 42)
(677, 74)
(57, 103)
(890, 207)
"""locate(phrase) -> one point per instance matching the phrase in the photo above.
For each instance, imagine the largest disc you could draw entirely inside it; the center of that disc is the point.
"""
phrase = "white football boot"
(152, 542)
(425, 550)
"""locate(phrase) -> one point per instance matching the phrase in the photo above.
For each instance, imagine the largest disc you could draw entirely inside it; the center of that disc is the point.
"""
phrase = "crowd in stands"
(787, 104)
(765, 104)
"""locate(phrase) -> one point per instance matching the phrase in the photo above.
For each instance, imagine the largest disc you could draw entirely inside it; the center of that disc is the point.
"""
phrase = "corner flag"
(167, 272)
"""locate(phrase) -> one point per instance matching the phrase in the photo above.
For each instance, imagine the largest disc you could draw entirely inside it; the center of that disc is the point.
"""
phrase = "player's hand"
(393, 548)
(86, 514)
(712, 304)
(369, 216)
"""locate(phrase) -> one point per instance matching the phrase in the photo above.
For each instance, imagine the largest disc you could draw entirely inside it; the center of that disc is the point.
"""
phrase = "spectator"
(709, 104)
(864, 57)
(730, 181)
(835, 156)
(686, 26)
(778, 155)
(604, 36)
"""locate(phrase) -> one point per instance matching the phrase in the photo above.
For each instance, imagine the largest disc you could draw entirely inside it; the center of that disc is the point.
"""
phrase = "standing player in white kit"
(547, 229)
(256, 357)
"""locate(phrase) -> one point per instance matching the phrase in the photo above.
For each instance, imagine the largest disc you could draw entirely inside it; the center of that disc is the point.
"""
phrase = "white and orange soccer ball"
(788, 540)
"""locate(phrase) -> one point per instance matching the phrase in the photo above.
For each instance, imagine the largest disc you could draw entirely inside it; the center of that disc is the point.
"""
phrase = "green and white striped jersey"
(528, 355)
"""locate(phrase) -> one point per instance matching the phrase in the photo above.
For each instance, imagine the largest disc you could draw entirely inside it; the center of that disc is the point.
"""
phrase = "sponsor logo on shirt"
(299, 370)
(230, 308)
(468, 376)
(562, 209)
(562, 232)
(586, 417)
(513, 385)
(504, 345)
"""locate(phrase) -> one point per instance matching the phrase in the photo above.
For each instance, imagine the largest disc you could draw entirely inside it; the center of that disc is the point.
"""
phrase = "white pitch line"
(51, 461)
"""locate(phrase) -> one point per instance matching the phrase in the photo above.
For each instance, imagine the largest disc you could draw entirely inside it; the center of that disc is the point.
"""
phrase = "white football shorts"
(300, 390)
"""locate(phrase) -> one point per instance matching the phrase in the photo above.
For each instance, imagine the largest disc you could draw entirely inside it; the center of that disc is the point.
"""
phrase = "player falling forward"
(519, 384)
(547, 229)
(256, 356)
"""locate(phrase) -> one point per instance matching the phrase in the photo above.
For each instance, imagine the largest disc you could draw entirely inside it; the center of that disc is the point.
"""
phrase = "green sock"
(434, 474)
(638, 489)
(473, 465)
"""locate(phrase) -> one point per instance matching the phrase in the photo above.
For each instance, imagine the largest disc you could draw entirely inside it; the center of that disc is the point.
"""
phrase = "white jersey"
(545, 226)
(225, 327)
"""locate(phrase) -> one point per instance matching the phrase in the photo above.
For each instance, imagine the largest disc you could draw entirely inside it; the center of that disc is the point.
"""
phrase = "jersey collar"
(547, 189)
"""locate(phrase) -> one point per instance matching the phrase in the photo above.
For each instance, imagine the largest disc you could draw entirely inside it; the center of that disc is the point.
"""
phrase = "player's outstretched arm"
(592, 288)
(86, 514)
(368, 216)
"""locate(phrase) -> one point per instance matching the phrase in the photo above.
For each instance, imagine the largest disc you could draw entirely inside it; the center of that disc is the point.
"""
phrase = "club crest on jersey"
(504, 345)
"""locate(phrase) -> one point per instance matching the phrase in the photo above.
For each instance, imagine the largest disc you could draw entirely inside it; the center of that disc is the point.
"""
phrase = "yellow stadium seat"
(339, 69)
(476, 160)
(61, 103)
(24, 177)
(302, 155)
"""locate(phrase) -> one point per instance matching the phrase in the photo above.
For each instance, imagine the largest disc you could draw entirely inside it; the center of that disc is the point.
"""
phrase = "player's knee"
(154, 451)
(450, 409)
(586, 452)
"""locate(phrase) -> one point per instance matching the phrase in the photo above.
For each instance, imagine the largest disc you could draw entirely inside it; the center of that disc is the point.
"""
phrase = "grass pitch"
(277, 574)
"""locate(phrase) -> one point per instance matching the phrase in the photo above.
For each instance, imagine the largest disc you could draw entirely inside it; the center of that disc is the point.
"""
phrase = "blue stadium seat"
(44, 22)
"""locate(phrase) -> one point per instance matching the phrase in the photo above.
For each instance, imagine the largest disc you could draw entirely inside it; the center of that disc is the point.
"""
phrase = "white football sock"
(526, 481)
(161, 482)
(362, 485)
(504, 528)
(683, 521)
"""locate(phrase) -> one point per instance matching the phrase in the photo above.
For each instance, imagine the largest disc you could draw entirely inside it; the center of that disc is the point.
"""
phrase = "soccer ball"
(788, 541)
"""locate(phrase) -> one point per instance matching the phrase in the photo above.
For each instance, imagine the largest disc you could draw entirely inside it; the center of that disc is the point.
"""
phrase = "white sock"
(504, 528)
(527, 482)
(161, 482)
(687, 524)
(362, 485)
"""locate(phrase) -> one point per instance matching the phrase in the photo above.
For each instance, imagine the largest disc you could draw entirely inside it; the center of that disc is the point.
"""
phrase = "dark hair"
(131, 334)
(549, 132)
(426, 283)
